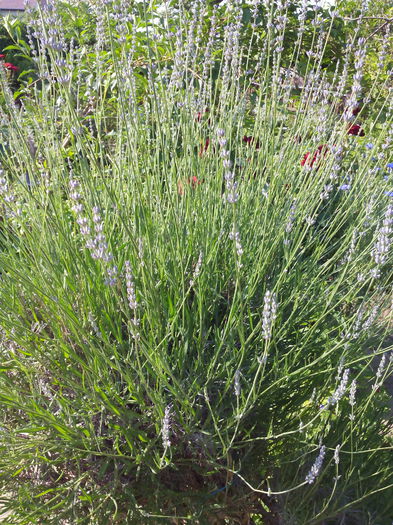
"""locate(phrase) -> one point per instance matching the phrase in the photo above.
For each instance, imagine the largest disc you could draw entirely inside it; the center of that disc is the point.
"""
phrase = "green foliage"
(13, 42)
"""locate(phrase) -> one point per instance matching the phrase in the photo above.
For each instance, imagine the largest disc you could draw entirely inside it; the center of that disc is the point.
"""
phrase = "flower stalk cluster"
(352, 103)
(96, 244)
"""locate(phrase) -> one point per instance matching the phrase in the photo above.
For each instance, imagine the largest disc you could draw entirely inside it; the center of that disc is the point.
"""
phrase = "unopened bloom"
(380, 370)
(269, 314)
(291, 218)
(352, 393)
(336, 454)
(140, 252)
(237, 383)
(383, 242)
(371, 318)
(197, 270)
(235, 236)
(131, 296)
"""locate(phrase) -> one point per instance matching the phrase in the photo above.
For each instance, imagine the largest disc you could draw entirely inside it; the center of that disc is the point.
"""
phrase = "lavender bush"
(196, 271)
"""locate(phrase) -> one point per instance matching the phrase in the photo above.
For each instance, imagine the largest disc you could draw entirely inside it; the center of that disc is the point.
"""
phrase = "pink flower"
(10, 67)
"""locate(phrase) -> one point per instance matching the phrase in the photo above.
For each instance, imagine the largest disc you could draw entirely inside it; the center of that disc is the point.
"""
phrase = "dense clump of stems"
(195, 269)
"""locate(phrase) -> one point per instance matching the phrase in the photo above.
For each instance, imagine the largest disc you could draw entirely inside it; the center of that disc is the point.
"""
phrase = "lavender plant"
(194, 289)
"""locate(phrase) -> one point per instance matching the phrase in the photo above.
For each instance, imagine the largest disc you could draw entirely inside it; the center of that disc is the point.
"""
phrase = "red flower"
(317, 156)
(355, 129)
(10, 67)
(205, 147)
(201, 114)
(251, 140)
(193, 181)
(2, 56)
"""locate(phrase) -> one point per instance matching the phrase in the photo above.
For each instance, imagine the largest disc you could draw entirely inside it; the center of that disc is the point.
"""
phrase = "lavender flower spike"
(352, 393)
(315, 469)
(237, 383)
(166, 427)
(380, 371)
(197, 270)
(337, 454)
(383, 241)
(131, 296)
(269, 314)
(340, 390)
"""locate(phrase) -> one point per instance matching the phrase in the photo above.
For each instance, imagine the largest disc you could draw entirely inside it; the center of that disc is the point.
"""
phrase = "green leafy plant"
(196, 273)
